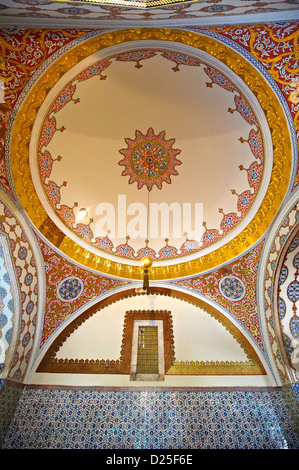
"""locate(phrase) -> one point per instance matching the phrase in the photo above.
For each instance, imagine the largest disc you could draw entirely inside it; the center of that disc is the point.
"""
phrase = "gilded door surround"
(277, 188)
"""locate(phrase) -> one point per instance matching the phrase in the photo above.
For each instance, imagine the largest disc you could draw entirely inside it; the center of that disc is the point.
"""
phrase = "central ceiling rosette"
(149, 159)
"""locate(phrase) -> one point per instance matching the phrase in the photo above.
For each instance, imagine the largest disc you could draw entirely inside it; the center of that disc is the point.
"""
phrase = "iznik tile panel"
(72, 418)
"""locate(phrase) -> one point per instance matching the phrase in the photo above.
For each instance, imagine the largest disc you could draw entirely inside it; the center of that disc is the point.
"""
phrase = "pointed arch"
(50, 363)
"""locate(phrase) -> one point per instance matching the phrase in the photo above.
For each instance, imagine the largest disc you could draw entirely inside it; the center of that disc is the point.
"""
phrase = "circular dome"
(164, 151)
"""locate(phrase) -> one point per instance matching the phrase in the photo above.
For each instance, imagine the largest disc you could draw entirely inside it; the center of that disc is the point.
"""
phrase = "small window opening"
(147, 355)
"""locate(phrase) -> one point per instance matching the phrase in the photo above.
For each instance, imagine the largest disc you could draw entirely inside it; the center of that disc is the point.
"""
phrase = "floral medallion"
(70, 289)
(150, 159)
(232, 288)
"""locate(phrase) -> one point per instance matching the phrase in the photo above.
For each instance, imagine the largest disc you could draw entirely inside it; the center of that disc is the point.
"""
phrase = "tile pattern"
(291, 400)
(289, 222)
(26, 276)
(296, 389)
(151, 419)
(6, 306)
(10, 394)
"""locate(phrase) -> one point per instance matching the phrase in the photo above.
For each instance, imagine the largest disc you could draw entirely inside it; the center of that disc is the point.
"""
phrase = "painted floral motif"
(104, 243)
(244, 201)
(189, 246)
(136, 56)
(53, 192)
(48, 130)
(210, 235)
(65, 97)
(66, 214)
(256, 144)
(229, 221)
(168, 252)
(125, 250)
(232, 288)
(181, 59)
(146, 251)
(254, 174)
(45, 164)
(293, 291)
(219, 79)
(244, 109)
(84, 231)
(149, 159)
(94, 70)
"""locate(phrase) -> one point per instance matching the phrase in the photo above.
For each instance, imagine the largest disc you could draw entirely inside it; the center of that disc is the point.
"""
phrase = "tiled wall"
(49, 417)
(10, 394)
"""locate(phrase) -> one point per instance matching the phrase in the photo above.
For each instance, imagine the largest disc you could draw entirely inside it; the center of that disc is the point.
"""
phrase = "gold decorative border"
(168, 339)
(215, 368)
(282, 156)
(51, 364)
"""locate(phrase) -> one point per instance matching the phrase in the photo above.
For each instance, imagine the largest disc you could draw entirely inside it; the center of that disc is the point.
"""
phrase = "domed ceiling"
(127, 129)
(122, 123)
(150, 148)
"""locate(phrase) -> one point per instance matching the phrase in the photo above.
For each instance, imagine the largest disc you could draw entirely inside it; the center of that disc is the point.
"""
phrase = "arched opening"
(183, 333)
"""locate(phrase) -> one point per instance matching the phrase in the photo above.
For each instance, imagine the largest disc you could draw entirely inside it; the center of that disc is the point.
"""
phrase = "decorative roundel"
(70, 289)
(149, 159)
(232, 288)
